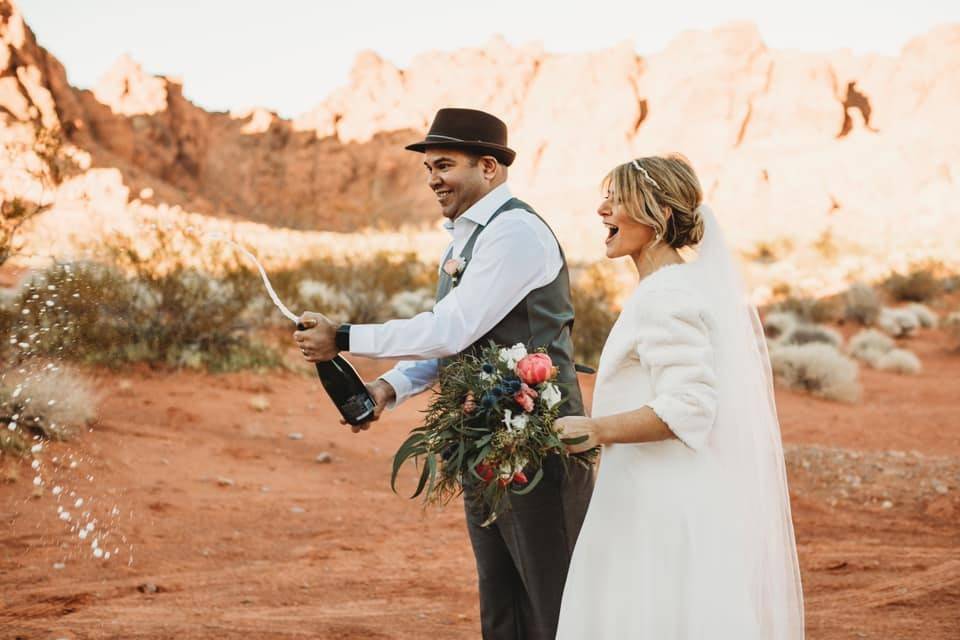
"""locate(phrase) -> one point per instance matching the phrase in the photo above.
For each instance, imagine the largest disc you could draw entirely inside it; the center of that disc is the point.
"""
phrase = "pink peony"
(535, 368)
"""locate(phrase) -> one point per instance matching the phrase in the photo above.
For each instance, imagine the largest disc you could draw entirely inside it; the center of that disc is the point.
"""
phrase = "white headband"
(636, 165)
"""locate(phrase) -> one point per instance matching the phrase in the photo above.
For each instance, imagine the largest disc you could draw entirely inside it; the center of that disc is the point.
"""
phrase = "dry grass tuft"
(46, 400)
(818, 369)
(899, 361)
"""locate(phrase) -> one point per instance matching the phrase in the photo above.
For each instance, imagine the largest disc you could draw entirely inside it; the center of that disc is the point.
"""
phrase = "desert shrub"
(779, 324)
(359, 289)
(899, 361)
(869, 345)
(407, 304)
(925, 316)
(951, 324)
(862, 304)
(919, 285)
(811, 333)
(594, 293)
(814, 310)
(899, 323)
(90, 312)
(769, 251)
(45, 400)
(818, 369)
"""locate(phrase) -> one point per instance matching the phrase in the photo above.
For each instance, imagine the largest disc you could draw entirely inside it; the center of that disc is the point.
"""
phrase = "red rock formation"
(781, 139)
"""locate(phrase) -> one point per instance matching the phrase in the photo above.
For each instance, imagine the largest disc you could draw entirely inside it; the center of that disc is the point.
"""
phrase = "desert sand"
(234, 529)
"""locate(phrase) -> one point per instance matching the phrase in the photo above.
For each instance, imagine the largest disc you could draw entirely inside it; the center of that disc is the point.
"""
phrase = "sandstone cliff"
(862, 150)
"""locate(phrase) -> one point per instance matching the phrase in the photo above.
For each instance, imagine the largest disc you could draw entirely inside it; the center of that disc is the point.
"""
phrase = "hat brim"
(503, 154)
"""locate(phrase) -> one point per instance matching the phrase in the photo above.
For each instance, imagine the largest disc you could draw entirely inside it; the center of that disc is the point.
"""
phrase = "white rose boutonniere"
(454, 268)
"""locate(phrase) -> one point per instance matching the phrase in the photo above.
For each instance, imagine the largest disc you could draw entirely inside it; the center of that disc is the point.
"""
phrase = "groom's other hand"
(317, 341)
(382, 394)
(573, 429)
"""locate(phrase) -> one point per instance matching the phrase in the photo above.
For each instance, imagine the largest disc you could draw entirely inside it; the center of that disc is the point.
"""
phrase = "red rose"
(485, 471)
(535, 368)
(520, 478)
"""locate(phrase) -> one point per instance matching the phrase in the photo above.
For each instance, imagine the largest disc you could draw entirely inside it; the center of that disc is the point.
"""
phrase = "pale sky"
(287, 55)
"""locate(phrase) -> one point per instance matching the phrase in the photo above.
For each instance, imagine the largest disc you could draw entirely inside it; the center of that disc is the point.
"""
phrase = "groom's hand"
(574, 429)
(383, 394)
(317, 341)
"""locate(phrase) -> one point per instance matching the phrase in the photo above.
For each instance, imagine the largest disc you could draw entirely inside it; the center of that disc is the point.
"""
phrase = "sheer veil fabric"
(746, 438)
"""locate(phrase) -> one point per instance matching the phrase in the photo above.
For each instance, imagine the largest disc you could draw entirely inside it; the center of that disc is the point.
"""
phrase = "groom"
(502, 278)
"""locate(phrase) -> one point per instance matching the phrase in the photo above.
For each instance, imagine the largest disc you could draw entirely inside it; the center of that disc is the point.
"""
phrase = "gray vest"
(544, 318)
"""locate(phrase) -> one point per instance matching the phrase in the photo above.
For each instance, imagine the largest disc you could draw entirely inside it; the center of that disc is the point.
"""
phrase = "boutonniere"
(454, 268)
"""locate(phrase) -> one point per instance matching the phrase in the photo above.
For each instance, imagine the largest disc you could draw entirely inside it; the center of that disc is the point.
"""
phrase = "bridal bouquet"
(491, 423)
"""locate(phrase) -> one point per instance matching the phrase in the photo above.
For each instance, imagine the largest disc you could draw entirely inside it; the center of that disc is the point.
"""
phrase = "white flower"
(513, 355)
(512, 422)
(550, 395)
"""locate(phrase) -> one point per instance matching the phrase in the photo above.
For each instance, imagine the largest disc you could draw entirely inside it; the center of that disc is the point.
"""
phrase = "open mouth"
(612, 231)
(443, 194)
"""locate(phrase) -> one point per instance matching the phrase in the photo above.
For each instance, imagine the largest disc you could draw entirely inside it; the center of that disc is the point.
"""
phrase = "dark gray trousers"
(523, 557)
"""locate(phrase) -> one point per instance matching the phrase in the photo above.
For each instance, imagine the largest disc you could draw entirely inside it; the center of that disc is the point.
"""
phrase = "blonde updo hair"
(648, 186)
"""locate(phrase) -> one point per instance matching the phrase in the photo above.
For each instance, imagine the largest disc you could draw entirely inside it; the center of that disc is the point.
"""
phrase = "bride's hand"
(572, 430)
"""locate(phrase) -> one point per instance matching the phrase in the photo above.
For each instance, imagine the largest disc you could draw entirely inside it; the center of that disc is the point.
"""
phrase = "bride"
(688, 534)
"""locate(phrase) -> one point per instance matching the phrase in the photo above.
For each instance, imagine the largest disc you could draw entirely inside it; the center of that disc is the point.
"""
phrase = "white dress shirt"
(514, 256)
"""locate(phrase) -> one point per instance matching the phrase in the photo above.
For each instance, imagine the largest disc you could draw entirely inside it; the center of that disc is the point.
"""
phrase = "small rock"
(887, 504)
(225, 482)
(58, 565)
(264, 489)
(147, 587)
(296, 435)
(259, 403)
(939, 487)
(296, 509)
(324, 458)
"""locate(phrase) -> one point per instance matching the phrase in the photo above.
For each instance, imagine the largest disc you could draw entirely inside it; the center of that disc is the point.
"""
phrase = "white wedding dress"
(679, 543)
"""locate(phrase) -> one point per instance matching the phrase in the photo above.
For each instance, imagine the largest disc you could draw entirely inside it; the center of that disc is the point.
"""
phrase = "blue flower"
(488, 401)
(487, 368)
(497, 391)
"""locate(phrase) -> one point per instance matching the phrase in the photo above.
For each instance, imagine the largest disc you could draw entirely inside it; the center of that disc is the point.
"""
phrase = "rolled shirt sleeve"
(674, 342)
(410, 377)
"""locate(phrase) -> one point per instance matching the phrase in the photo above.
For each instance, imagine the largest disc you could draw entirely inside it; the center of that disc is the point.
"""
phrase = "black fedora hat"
(468, 129)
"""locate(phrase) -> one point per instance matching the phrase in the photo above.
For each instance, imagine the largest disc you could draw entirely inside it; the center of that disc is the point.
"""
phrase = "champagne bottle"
(345, 389)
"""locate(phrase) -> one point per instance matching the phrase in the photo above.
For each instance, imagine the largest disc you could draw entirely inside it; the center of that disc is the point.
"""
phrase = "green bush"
(358, 288)
(93, 313)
